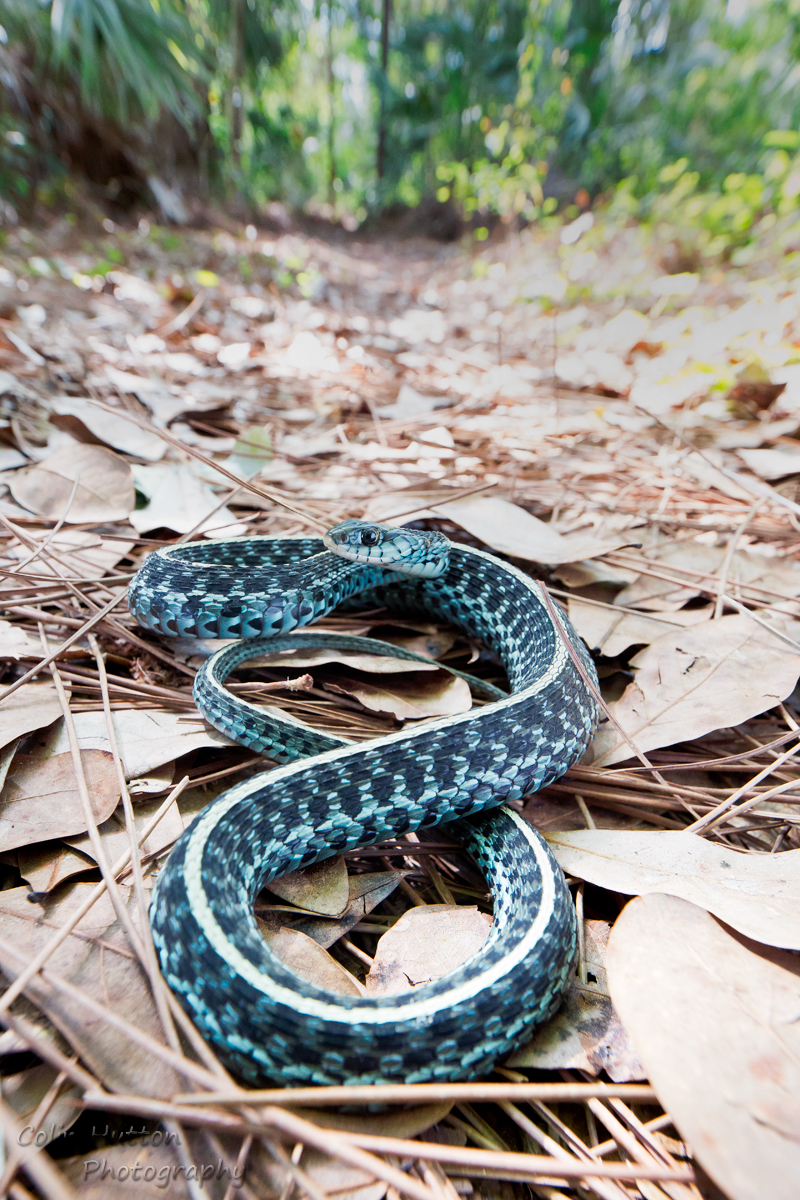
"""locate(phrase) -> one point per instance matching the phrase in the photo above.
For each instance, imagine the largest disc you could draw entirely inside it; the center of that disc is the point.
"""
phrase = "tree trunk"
(237, 76)
(331, 129)
(385, 19)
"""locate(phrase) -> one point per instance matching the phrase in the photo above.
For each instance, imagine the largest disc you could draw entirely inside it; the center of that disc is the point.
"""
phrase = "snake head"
(421, 554)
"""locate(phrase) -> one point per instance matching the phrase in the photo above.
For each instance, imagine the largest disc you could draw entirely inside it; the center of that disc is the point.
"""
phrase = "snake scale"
(266, 1023)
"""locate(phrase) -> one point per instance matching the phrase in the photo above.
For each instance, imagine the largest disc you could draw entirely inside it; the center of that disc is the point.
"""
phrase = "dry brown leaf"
(758, 894)
(72, 413)
(410, 697)
(696, 680)
(400, 1123)
(307, 959)
(584, 574)
(365, 892)
(105, 491)
(661, 595)
(371, 663)
(81, 554)
(512, 530)
(114, 835)
(178, 500)
(6, 759)
(47, 864)
(24, 1092)
(699, 468)
(586, 1033)
(31, 707)
(713, 1018)
(17, 643)
(425, 944)
(595, 369)
(146, 738)
(332, 1176)
(107, 1173)
(740, 435)
(773, 463)
(430, 642)
(41, 799)
(549, 813)
(97, 959)
(613, 632)
(321, 888)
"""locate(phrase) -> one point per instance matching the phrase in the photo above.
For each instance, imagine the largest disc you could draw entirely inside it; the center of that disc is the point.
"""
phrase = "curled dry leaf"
(365, 893)
(46, 864)
(321, 888)
(371, 663)
(714, 1019)
(772, 463)
(97, 950)
(41, 798)
(24, 1092)
(308, 959)
(665, 595)
(425, 944)
(400, 1123)
(699, 468)
(758, 894)
(696, 680)
(105, 491)
(6, 759)
(586, 1033)
(33, 706)
(409, 697)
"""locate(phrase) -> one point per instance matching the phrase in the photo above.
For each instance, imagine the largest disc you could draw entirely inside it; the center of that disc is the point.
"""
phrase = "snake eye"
(369, 537)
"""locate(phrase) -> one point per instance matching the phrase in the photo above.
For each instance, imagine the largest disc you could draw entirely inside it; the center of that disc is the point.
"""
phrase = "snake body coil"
(267, 1023)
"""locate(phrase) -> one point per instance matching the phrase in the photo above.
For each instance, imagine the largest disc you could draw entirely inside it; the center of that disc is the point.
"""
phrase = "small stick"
(424, 1093)
(85, 627)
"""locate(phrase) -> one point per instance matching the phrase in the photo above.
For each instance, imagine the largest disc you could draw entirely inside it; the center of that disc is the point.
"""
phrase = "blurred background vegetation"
(485, 111)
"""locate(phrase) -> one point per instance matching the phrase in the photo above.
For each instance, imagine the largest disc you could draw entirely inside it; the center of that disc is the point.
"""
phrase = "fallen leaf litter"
(593, 444)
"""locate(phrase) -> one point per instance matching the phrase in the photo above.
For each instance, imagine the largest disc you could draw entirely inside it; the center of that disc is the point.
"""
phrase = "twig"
(710, 818)
(423, 1093)
(729, 553)
(79, 633)
(183, 318)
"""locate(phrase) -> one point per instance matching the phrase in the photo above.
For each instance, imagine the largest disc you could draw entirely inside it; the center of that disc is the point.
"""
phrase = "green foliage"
(687, 78)
(125, 55)
(715, 223)
(122, 58)
(680, 111)
(453, 73)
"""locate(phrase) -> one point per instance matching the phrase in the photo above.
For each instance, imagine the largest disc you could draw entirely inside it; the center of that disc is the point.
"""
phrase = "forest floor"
(626, 432)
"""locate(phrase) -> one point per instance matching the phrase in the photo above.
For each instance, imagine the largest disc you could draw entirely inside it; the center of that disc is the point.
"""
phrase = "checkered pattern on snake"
(266, 1023)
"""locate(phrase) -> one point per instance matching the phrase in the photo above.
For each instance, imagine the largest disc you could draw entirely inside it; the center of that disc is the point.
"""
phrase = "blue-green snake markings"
(332, 795)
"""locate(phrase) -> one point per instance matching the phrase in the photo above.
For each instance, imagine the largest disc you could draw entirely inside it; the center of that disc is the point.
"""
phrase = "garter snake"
(266, 1023)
